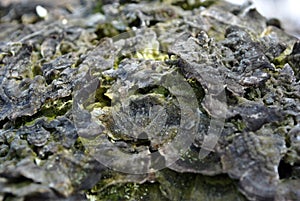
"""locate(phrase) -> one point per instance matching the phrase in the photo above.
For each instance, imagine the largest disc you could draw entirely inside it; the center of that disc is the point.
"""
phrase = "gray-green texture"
(46, 60)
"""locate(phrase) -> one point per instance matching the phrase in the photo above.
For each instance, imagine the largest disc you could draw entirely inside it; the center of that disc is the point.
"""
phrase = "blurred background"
(287, 11)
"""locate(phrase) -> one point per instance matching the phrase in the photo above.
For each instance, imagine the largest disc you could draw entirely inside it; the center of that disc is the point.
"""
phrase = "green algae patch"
(168, 185)
(52, 109)
(128, 192)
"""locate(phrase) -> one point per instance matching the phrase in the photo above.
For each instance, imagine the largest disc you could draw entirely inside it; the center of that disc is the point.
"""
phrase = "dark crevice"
(136, 23)
(231, 99)
(284, 170)
(153, 89)
(3, 122)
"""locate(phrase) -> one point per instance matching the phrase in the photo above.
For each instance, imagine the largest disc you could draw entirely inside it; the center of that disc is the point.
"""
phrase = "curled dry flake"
(100, 58)
(141, 44)
(52, 178)
(221, 16)
(60, 75)
(255, 80)
(203, 64)
(255, 185)
(144, 119)
(272, 46)
(27, 190)
(54, 171)
(287, 74)
(288, 190)
(38, 136)
(255, 115)
(52, 70)
(27, 104)
(293, 155)
(249, 53)
(190, 162)
(65, 131)
(143, 109)
(294, 59)
(43, 132)
(50, 45)
(184, 186)
(6, 137)
(254, 161)
(27, 95)
(144, 14)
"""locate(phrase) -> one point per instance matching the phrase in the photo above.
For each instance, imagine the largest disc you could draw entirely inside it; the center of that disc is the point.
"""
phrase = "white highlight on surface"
(41, 11)
(64, 21)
